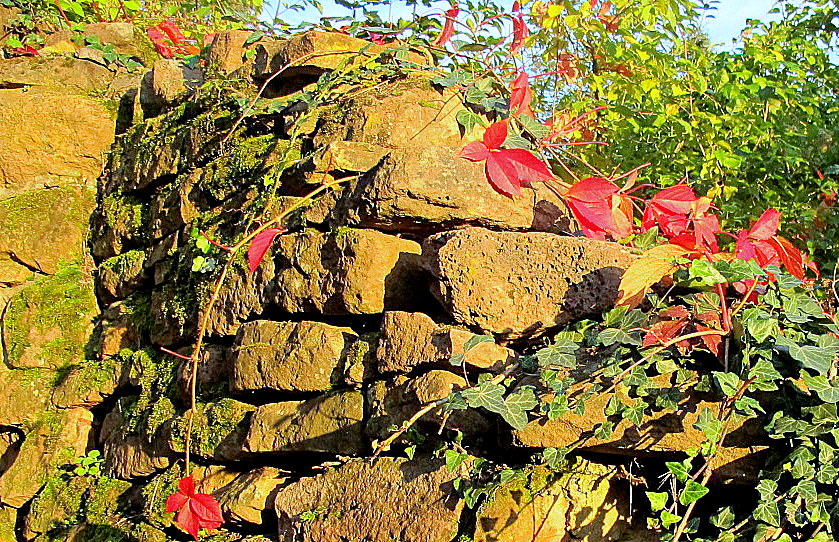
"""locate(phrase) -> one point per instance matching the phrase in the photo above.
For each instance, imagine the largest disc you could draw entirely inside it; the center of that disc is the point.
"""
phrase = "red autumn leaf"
(172, 30)
(26, 50)
(506, 169)
(762, 244)
(259, 246)
(664, 331)
(766, 226)
(520, 32)
(160, 42)
(196, 511)
(520, 96)
(495, 135)
(683, 218)
(448, 27)
(600, 208)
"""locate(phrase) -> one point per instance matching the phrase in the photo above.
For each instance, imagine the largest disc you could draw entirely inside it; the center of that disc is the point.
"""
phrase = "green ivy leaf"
(680, 469)
(819, 385)
(554, 457)
(668, 519)
(729, 383)
(468, 119)
(709, 424)
(561, 353)
(767, 512)
(610, 336)
(533, 127)
(723, 519)
(454, 459)
(516, 406)
(487, 395)
(475, 340)
(693, 491)
(657, 500)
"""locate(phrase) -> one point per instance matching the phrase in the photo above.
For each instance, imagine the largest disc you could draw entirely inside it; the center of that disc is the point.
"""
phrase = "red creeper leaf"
(448, 26)
(196, 511)
(259, 246)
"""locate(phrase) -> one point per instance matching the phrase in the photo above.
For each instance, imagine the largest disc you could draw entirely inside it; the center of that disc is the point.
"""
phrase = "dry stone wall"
(342, 333)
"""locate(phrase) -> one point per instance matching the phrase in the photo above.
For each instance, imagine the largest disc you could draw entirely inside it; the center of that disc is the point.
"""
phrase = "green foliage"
(89, 464)
(755, 127)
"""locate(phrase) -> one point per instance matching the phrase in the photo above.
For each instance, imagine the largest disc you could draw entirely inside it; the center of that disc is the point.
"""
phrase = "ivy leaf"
(454, 459)
(668, 519)
(729, 383)
(635, 413)
(533, 127)
(487, 395)
(468, 119)
(767, 512)
(651, 267)
(826, 391)
(562, 353)
(610, 336)
(516, 406)
(693, 491)
(475, 340)
(709, 424)
(680, 469)
(260, 245)
(723, 519)
(554, 457)
(657, 500)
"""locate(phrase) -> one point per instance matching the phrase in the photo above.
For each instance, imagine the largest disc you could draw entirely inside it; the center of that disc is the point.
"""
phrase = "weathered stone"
(539, 505)
(219, 430)
(330, 423)
(522, 284)
(131, 456)
(227, 52)
(290, 356)
(405, 113)
(65, 139)
(388, 500)
(48, 323)
(54, 73)
(88, 384)
(24, 394)
(311, 53)
(348, 156)
(409, 339)
(118, 329)
(211, 378)
(251, 495)
(211, 478)
(429, 189)
(8, 515)
(119, 276)
(663, 431)
(394, 402)
(41, 230)
(57, 438)
(118, 223)
(331, 273)
(171, 80)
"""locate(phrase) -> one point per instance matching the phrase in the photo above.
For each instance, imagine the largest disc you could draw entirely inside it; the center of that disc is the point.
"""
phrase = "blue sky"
(728, 19)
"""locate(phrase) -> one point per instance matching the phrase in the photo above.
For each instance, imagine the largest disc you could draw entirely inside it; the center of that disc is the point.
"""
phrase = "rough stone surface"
(251, 495)
(227, 52)
(521, 284)
(404, 113)
(88, 384)
(409, 339)
(290, 356)
(330, 423)
(332, 273)
(390, 500)
(65, 139)
(129, 455)
(65, 436)
(544, 506)
(54, 73)
(430, 189)
(126, 39)
(393, 402)
(41, 229)
(170, 80)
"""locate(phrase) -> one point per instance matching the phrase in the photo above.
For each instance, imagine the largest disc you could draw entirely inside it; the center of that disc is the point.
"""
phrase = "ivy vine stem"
(208, 310)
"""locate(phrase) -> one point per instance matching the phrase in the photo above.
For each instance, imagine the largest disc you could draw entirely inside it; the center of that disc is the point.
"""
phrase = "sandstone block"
(128, 455)
(54, 73)
(171, 80)
(577, 503)
(522, 284)
(48, 444)
(119, 276)
(219, 430)
(227, 52)
(329, 423)
(405, 113)
(430, 189)
(409, 339)
(334, 273)
(290, 356)
(65, 139)
(251, 495)
(390, 500)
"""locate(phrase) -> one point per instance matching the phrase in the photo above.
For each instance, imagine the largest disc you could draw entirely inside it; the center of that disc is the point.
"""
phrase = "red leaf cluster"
(762, 244)
(170, 41)
(26, 50)
(196, 511)
(686, 220)
(506, 169)
(600, 208)
(521, 95)
(260, 245)
(448, 26)
(676, 321)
